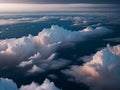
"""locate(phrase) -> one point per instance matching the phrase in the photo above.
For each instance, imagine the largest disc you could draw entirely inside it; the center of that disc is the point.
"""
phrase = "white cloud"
(8, 84)
(43, 65)
(52, 56)
(47, 85)
(44, 44)
(24, 20)
(35, 69)
(101, 72)
(36, 56)
(25, 63)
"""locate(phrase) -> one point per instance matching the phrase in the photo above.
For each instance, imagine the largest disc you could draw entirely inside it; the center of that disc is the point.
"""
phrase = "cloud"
(101, 72)
(56, 64)
(24, 20)
(35, 69)
(52, 56)
(38, 53)
(40, 66)
(44, 44)
(8, 84)
(77, 20)
(25, 63)
(36, 56)
(47, 85)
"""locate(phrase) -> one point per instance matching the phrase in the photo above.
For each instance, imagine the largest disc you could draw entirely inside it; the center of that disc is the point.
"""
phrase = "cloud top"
(101, 72)
(44, 44)
(47, 85)
(8, 84)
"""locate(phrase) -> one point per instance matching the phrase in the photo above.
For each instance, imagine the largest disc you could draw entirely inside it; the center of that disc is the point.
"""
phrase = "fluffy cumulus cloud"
(47, 85)
(40, 50)
(41, 66)
(44, 44)
(101, 72)
(7, 84)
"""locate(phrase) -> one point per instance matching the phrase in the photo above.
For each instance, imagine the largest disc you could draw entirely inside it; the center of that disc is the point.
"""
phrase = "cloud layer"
(7, 84)
(39, 51)
(44, 44)
(101, 72)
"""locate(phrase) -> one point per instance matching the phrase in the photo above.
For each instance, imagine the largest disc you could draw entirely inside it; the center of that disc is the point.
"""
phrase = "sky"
(56, 5)
(14, 7)
(61, 1)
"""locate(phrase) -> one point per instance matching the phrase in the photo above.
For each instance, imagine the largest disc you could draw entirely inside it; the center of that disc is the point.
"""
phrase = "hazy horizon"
(56, 7)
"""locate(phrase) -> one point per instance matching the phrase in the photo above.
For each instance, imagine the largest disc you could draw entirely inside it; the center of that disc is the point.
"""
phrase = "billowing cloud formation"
(101, 72)
(39, 52)
(41, 66)
(7, 84)
(44, 44)
(47, 85)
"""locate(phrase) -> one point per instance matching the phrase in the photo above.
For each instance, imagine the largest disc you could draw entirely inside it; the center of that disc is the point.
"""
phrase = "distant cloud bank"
(14, 7)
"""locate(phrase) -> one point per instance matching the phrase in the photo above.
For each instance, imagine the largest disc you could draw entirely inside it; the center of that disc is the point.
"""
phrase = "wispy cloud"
(22, 20)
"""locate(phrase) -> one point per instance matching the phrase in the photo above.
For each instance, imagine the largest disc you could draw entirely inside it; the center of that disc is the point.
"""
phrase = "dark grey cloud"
(61, 1)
